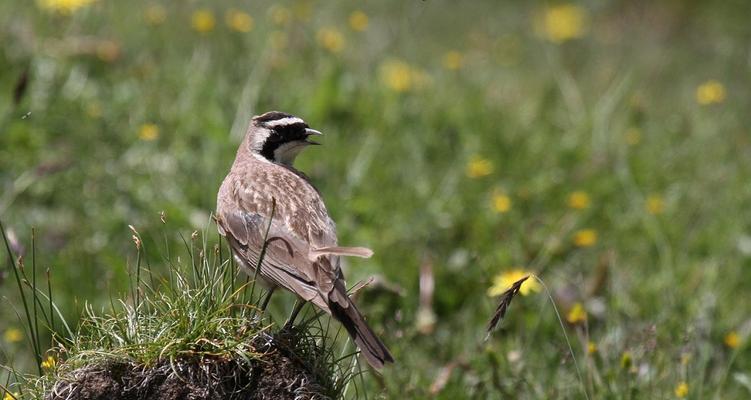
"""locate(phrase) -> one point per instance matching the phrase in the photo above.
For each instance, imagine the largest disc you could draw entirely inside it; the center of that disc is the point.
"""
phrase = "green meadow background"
(602, 145)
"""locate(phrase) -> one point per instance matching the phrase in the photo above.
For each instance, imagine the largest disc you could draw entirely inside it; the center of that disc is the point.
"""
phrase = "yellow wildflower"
(591, 348)
(505, 279)
(732, 340)
(453, 60)
(330, 39)
(280, 15)
(148, 132)
(576, 314)
(397, 75)
(477, 167)
(13, 335)
(710, 92)
(681, 390)
(203, 21)
(401, 77)
(559, 23)
(655, 204)
(155, 14)
(358, 21)
(578, 200)
(66, 7)
(626, 360)
(585, 237)
(633, 136)
(501, 202)
(239, 21)
(49, 363)
(9, 396)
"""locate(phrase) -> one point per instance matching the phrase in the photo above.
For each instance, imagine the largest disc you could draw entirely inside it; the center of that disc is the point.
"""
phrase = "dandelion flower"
(239, 21)
(397, 75)
(504, 280)
(591, 347)
(732, 340)
(576, 314)
(49, 363)
(477, 167)
(578, 200)
(65, 7)
(148, 132)
(203, 21)
(681, 390)
(710, 92)
(501, 202)
(8, 396)
(330, 39)
(563, 22)
(280, 15)
(633, 136)
(655, 204)
(358, 21)
(585, 237)
(155, 14)
(453, 60)
(13, 335)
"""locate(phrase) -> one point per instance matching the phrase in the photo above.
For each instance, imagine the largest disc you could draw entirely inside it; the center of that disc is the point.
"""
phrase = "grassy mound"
(278, 372)
(195, 332)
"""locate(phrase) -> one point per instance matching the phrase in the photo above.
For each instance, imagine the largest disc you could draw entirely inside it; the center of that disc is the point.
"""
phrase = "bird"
(264, 200)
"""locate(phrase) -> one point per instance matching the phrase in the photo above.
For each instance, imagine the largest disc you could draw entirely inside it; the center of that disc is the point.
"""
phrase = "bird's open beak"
(311, 132)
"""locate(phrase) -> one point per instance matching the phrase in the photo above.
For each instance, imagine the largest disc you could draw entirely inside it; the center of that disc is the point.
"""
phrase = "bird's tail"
(370, 346)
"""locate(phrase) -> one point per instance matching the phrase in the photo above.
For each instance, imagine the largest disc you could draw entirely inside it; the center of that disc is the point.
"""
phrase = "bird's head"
(279, 137)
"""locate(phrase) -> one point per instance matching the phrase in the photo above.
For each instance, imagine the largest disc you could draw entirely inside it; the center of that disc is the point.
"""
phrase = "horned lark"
(302, 254)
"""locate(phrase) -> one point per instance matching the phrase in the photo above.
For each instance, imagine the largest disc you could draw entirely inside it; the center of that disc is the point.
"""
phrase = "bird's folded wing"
(362, 252)
(286, 260)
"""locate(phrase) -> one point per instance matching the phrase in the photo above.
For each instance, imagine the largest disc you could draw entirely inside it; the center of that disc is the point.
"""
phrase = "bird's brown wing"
(299, 227)
(286, 261)
(301, 247)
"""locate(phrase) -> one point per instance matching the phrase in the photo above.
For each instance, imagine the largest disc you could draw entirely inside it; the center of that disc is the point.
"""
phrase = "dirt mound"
(275, 375)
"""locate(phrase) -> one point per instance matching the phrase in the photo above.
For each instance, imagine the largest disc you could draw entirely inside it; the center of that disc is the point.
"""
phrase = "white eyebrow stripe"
(284, 121)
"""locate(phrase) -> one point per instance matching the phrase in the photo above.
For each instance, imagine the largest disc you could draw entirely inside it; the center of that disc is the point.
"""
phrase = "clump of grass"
(193, 332)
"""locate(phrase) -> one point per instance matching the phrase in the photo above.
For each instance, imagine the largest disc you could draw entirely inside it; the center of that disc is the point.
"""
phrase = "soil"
(275, 375)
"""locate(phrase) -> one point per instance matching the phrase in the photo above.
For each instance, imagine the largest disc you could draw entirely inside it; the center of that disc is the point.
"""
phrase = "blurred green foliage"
(455, 135)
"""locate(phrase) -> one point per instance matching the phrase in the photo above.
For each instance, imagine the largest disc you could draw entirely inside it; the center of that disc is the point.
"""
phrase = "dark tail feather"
(370, 346)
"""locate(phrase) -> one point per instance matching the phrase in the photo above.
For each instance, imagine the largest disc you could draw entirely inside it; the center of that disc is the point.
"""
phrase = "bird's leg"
(296, 310)
(267, 299)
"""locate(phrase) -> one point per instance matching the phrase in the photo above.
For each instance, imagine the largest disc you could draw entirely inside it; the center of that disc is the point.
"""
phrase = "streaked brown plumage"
(302, 253)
